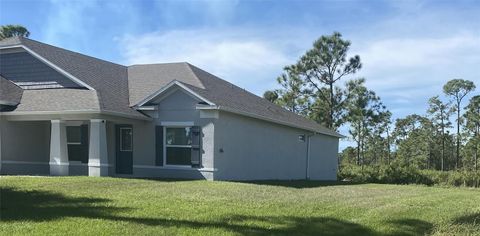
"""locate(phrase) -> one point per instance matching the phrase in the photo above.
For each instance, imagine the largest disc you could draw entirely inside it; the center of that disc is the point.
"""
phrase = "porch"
(59, 147)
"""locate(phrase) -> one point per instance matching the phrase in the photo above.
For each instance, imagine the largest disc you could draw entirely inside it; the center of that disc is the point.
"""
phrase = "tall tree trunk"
(362, 158)
(382, 158)
(443, 149)
(332, 106)
(388, 147)
(358, 153)
(475, 156)
(457, 164)
(429, 161)
(363, 147)
(358, 144)
(443, 141)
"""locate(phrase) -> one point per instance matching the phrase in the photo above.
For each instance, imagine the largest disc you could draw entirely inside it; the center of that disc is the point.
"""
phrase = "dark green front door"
(124, 146)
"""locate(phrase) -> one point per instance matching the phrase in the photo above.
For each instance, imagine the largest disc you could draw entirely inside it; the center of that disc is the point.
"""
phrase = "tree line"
(7, 31)
(446, 137)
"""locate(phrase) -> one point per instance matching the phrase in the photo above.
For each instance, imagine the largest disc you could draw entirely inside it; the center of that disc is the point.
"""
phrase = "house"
(64, 113)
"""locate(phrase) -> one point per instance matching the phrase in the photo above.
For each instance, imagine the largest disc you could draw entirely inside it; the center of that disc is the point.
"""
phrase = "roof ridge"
(189, 66)
(160, 63)
(3, 78)
(74, 52)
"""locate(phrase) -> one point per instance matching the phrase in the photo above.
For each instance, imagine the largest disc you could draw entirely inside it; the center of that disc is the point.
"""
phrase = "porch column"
(97, 153)
(58, 148)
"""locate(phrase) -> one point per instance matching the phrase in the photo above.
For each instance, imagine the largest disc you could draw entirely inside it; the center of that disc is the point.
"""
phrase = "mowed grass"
(115, 206)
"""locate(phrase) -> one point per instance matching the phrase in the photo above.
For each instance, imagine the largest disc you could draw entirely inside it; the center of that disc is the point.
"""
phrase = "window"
(77, 143)
(126, 140)
(178, 145)
(74, 135)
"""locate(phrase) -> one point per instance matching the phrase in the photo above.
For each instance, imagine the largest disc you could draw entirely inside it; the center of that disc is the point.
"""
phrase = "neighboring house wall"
(255, 149)
(25, 147)
(323, 157)
(22, 67)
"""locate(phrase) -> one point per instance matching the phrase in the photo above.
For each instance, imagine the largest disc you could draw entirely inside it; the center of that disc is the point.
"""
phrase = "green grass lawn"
(114, 206)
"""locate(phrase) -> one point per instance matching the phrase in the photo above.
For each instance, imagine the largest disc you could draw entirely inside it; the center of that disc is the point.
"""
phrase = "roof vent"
(38, 85)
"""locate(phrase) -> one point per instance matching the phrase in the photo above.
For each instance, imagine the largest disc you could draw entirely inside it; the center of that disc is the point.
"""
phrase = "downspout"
(307, 166)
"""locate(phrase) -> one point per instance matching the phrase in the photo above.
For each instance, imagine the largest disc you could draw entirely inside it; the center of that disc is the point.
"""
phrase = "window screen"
(74, 135)
(126, 140)
(178, 142)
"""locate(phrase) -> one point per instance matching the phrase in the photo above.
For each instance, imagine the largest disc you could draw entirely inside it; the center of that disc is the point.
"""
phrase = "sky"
(409, 49)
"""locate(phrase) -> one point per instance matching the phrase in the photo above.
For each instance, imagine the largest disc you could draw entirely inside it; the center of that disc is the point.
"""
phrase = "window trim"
(165, 145)
(131, 140)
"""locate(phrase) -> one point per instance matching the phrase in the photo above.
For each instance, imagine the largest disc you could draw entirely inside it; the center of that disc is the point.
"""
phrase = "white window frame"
(165, 145)
(75, 143)
(121, 141)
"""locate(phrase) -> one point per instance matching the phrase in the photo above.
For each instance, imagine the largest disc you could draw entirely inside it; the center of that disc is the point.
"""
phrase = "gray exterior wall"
(234, 147)
(323, 161)
(25, 147)
(23, 67)
(256, 150)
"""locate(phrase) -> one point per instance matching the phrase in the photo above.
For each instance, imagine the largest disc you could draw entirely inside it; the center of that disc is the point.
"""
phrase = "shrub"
(397, 174)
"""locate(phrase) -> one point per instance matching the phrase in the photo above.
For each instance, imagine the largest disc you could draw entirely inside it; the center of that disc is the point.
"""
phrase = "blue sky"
(409, 49)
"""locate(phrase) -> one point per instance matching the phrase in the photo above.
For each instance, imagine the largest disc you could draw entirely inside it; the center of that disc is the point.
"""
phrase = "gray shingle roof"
(147, 79)
(108, 79)
(10, 94)
(118, 88)
(48, 100)
(144, 80)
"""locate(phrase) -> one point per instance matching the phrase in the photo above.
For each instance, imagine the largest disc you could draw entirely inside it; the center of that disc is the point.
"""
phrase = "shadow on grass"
(470, 219)
(301, 183)
(268, 225)
(412, 227)
(40, 206)
(17, 205)
(281, 183)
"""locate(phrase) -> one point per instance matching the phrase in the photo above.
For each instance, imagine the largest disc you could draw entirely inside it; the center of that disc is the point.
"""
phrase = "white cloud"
(419, 52)
(237, 56)
(405, 72)
(406, 58)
